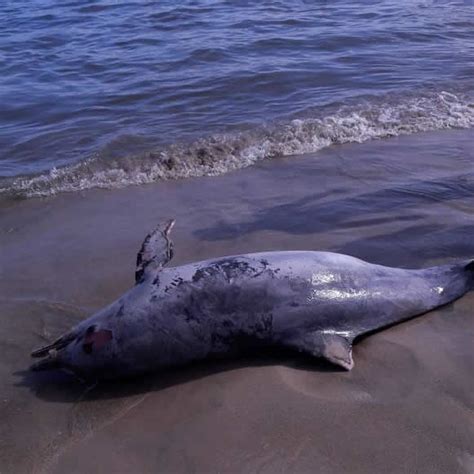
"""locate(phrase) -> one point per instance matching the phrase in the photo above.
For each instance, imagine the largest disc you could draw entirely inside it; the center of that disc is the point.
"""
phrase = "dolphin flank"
(314, 302)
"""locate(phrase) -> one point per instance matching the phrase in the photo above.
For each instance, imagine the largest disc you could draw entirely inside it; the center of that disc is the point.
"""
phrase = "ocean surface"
(110, 93)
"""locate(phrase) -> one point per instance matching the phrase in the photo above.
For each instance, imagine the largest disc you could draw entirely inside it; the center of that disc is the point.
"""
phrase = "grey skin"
(314, 302)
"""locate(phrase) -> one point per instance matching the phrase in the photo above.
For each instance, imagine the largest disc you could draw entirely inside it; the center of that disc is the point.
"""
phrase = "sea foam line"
(222, 153)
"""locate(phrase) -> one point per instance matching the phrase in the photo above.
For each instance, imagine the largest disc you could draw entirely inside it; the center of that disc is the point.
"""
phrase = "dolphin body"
(314, 302)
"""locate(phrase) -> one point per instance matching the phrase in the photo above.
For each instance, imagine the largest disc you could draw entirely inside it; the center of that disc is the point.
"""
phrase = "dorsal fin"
(156, 251)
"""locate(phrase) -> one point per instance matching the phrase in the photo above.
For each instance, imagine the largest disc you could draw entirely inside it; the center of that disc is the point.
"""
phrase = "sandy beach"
(406, 407)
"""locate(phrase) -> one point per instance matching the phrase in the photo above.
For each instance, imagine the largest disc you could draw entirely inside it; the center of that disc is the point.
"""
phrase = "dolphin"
(315, 302)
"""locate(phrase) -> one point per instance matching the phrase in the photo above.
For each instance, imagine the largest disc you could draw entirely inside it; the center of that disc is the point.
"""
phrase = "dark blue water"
(108, 93)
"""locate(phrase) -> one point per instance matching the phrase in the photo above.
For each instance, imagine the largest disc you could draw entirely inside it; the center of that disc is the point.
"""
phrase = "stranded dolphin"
(314, 302)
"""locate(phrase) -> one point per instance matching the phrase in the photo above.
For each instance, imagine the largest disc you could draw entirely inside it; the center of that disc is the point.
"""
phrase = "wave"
(372, 119)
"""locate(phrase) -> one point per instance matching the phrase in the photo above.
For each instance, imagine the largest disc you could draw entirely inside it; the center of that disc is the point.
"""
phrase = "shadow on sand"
(409, 247)
(62, 387)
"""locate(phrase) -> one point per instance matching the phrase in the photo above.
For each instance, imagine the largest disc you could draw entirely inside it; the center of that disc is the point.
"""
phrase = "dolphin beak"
(51, 353)
(58, 344)
(50, 362)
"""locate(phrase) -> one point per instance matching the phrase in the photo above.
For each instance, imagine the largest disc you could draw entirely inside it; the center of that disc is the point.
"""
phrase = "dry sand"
(407, 406)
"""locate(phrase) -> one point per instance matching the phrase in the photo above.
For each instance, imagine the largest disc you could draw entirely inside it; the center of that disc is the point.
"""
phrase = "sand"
(407, 406)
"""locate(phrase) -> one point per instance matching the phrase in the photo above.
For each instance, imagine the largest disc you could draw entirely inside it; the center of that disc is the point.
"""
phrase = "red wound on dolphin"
(95, 339)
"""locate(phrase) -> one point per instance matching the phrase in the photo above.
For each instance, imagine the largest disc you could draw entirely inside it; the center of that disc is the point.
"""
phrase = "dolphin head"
(129, 335)
(87, 353)
(89, 349)
(124, 338)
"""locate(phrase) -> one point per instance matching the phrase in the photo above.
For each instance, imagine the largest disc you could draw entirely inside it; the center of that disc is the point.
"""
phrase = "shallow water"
(138, 91)
(406, 406)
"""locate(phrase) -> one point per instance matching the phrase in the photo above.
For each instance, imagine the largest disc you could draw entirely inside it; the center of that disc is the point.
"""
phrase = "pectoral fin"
(334, 347)
(338, 350)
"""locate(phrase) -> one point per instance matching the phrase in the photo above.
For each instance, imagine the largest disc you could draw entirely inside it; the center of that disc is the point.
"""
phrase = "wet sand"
(407, 406)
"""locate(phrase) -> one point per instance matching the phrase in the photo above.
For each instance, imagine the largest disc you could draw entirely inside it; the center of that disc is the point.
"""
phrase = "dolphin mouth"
(50, 353)
(50, 362)
(57, 345)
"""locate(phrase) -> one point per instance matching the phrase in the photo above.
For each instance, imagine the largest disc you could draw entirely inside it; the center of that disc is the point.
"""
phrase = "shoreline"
(361, 120)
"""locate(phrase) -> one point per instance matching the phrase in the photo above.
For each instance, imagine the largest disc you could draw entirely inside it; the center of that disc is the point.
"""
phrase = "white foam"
(223, 153)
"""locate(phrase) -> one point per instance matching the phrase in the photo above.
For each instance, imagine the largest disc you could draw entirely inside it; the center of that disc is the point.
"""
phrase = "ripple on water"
(189, 71)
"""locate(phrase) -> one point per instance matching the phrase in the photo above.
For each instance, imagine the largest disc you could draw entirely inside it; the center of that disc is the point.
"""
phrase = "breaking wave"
(218, 154)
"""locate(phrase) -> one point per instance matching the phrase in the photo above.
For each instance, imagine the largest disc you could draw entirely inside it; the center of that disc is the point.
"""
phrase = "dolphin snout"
(50, 362)
(58, 344)
(50, 354)
(90, 342)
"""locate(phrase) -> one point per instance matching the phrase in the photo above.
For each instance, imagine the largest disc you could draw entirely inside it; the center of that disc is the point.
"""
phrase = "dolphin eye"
(90, 330)
(95, 339)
